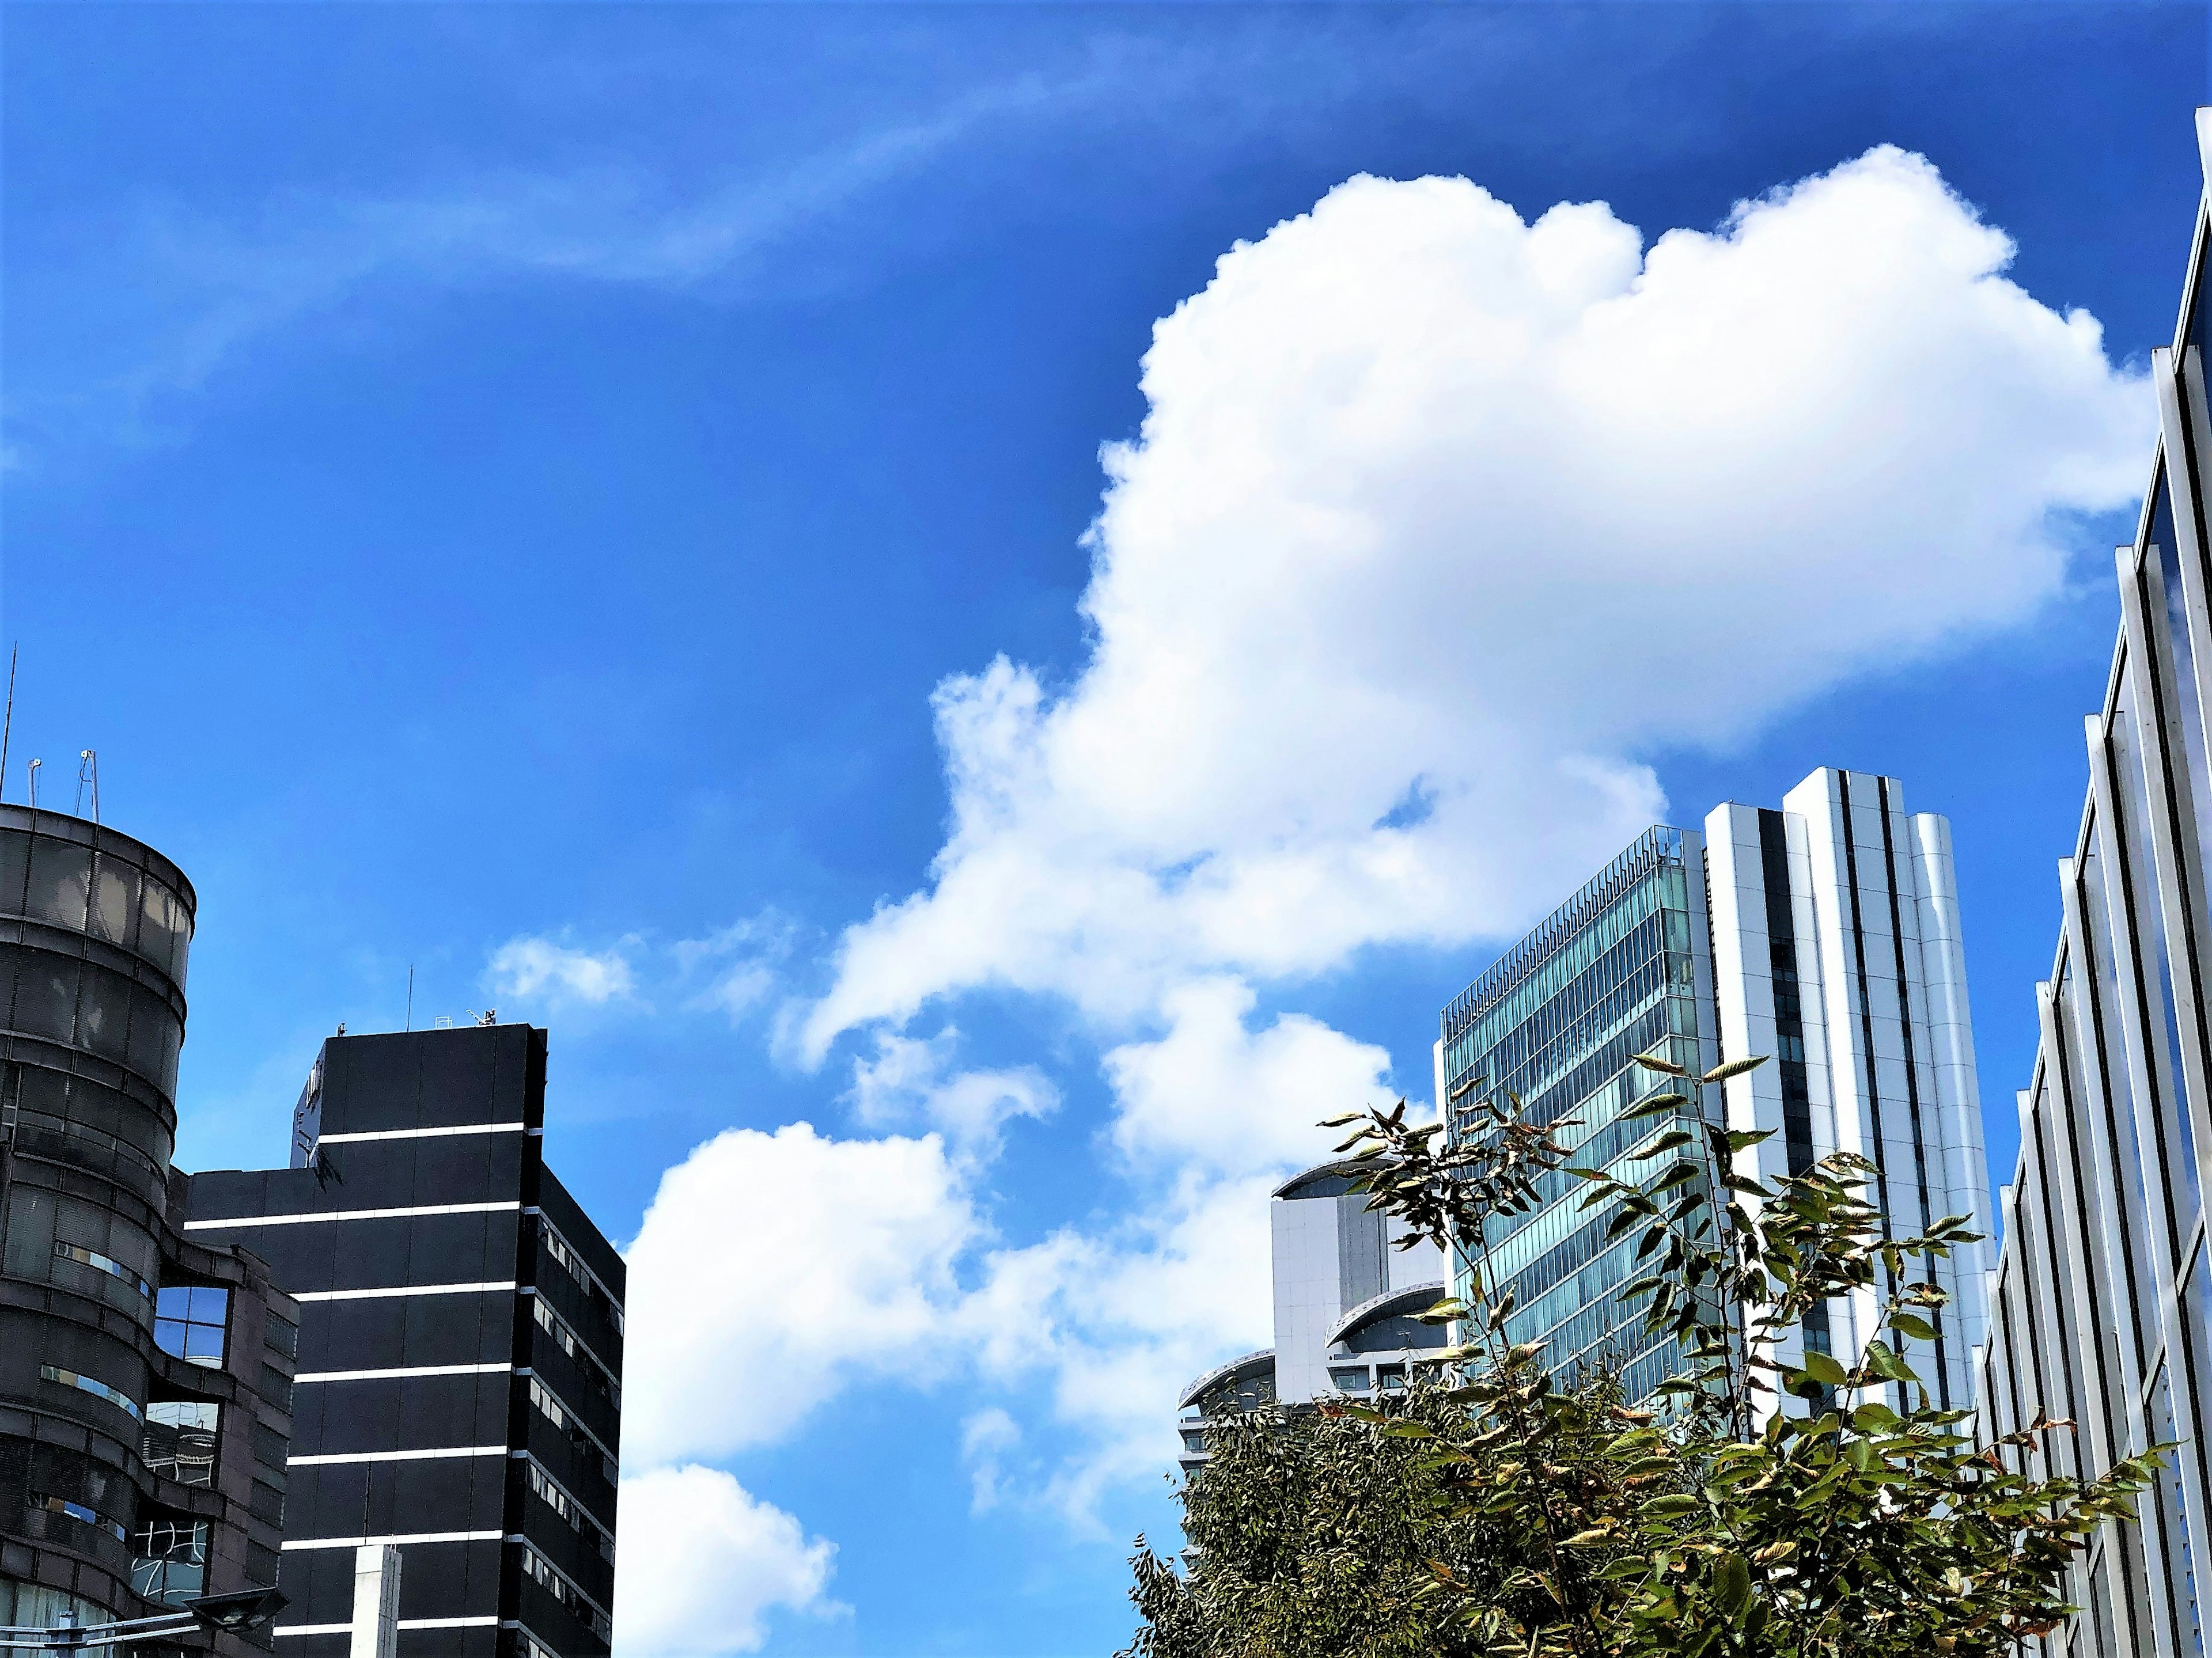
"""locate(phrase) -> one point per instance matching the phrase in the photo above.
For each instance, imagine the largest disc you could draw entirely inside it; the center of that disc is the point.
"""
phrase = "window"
(108, 1265)
(180, 1434)
(188, 1321)
(281, 1335)
(77, 1511)
(1349, 1382)
(115, 1396)
(1391, 1376)
(171, 1559)
(1193, 1442)
(538, 1567)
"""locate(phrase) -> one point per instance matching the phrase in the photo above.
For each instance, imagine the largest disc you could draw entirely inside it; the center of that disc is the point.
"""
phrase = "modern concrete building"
(145, 1370)
(459, 1385)
(1824, 935)
(2101, 1297)
(1346, 1302)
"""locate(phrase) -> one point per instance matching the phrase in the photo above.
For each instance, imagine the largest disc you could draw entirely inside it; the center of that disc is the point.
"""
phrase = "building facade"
(1837, 952)
(2099, 1298)
(1823, 935)
(1624, 967)
(1347, 1303)
(459, 1385)
(146, 1371)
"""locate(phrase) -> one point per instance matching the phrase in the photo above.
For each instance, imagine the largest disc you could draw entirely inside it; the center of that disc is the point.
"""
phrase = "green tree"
(1821, 1509)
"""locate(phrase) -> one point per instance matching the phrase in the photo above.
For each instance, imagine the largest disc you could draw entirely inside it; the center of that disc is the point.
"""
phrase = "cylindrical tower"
(144, 1379)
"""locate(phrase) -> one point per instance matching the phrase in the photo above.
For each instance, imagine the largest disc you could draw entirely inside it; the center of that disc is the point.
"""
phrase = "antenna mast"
(87, 775)
(32, 772)
(8, 722)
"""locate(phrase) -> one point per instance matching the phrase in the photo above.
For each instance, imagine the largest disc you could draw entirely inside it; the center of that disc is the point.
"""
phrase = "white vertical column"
(375, 1601)
(1954, 1116)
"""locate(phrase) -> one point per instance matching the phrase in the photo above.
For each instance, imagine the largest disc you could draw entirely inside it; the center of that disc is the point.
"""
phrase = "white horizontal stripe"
(420, 1134)
(313, 1629)
(449, 1623)
(395, 1457)
(404, 1289)
(404, 1537)
(351, 1214)
(411, 1369)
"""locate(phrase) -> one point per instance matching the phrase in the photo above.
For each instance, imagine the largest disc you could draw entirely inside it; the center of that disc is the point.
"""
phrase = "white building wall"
(1887, 1042)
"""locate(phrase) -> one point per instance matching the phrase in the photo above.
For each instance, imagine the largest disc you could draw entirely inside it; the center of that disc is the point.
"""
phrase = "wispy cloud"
(527, 968)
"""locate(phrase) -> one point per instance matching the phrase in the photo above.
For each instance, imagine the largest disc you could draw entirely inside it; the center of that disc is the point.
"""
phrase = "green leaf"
(1409, 1431)
(1732, 1584)
(1720, 1073)
(1665, 1508)
(1738, 1138)
(1655, 1104)
(1667, 1142)
(1653, 1062)
(1918, 1328)
(1823, 1368)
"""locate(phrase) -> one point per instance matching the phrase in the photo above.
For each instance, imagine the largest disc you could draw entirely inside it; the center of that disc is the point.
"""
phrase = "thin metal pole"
(8, 722)
(411, 995)
(32, 773)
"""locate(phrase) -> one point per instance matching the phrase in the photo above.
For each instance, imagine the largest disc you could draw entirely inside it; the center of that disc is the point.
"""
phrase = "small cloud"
(984, 1437)
(743, 961)
(529, 967)
(907, 1083)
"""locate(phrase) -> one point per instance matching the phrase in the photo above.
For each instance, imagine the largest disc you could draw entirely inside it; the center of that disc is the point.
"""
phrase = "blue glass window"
(189, 1320)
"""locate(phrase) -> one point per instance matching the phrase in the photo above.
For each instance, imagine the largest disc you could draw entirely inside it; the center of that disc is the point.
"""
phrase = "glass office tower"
(1624, 967)
(145, 1373)
(1824, 937)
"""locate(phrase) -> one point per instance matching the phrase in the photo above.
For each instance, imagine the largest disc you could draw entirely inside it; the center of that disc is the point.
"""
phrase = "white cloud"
(744, 962)
(1437, 508)
(771, 1269)
(703, 1562)
(985, 1437)
(1211, 1094)
(524, 967)
(909, 1081)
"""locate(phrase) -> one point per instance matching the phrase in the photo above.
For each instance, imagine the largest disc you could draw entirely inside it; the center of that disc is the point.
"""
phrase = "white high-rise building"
(1836, 951)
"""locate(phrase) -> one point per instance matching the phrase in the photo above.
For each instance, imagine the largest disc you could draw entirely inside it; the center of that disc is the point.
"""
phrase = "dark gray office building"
(145, 1370)
(458, 1393)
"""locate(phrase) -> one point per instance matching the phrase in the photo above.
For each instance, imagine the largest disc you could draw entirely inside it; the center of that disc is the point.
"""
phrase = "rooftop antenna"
(32, 772)
(8, 722)
(87, 775)
(411, 995)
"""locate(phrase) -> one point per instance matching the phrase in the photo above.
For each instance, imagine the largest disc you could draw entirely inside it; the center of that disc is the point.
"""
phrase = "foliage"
(1851, 1519)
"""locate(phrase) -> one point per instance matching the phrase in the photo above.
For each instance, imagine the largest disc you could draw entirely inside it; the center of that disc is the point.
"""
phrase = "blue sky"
(501, 487)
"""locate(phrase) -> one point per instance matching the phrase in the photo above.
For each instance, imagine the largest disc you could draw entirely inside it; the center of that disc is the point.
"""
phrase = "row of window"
(581, 1437)
(595, 1373)
(107, 1264)
(1388, 1378)
(580, 1605)
(189, 1318)
(573, 1264)
(98, 1389)
(548, 1491)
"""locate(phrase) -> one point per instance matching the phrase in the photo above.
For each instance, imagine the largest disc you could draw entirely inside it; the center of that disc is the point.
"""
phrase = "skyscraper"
(145, 1370)
(1825, 936)
(459, 1389)
(1624, 967)
(2101, 1299)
